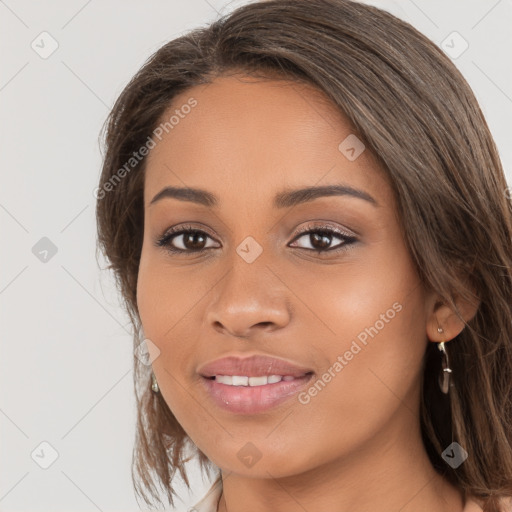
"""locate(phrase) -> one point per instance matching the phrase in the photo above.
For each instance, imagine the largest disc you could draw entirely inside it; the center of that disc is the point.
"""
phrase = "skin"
(356, 445)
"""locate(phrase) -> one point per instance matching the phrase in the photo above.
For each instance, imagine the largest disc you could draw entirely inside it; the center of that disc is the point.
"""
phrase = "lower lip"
(253, 399)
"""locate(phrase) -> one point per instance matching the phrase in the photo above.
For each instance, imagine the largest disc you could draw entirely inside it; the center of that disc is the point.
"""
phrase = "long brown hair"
(414, 110)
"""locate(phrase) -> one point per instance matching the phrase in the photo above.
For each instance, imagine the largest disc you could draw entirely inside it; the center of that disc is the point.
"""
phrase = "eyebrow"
(285, 199)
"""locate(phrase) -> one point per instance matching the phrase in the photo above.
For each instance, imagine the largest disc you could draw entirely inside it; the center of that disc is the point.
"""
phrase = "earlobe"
(444, 323)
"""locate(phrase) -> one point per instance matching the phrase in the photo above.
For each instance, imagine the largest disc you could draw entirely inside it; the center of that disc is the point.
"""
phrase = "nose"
(249, 300)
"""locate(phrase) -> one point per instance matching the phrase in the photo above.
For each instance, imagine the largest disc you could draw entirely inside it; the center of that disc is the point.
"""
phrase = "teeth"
(274, 378)
(238, 380)
(241, 380)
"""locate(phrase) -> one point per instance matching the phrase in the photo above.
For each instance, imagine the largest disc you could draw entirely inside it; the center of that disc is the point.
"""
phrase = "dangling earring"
(154, 383)
(444, 377)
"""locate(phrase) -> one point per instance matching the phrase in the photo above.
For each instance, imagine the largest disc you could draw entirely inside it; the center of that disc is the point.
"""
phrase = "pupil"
(195, 237)
(323, 239)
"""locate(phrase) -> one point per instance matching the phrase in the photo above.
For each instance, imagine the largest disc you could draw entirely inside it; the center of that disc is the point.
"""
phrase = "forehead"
(245, 136)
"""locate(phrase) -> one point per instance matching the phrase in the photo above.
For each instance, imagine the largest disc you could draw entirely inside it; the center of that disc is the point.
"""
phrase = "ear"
(441, 315)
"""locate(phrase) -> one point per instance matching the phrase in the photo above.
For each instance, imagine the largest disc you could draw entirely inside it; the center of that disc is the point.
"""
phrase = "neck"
(386, 476)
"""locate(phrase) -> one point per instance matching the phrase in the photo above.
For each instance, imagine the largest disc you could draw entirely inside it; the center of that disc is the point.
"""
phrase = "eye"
(187, 239)
(320, 238)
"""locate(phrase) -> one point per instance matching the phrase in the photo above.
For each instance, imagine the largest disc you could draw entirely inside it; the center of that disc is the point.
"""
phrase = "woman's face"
(249, 282)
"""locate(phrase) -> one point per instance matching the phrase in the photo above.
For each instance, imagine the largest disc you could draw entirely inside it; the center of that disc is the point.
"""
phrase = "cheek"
(151, 303)
(162, 306)
(164, 296)
(374, 349)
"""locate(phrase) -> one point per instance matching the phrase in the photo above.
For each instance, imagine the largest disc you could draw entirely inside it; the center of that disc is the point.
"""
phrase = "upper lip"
(252, 366)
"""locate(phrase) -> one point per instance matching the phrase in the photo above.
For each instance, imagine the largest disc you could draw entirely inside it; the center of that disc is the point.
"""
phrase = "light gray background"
(65, 363)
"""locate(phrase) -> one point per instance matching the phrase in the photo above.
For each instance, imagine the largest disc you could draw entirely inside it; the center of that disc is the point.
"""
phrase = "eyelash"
(170, 234)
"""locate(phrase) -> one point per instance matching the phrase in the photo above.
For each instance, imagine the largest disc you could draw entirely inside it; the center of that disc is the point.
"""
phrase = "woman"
(312, 231)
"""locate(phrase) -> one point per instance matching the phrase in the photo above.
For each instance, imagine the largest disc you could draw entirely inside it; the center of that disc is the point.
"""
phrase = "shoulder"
(472, 505)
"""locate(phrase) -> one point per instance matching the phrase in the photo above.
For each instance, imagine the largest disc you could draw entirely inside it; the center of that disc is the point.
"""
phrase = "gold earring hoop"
(154, 383)
(444, 377)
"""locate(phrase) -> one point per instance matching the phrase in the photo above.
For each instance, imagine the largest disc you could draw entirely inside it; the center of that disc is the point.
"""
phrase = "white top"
(211, 500)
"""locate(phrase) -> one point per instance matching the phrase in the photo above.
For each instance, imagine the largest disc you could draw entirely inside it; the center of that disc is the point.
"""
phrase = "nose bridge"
(249, 296)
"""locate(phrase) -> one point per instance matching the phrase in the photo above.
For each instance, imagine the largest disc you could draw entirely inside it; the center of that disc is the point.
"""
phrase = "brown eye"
(188, 240)
(184, 240)
(320, 239)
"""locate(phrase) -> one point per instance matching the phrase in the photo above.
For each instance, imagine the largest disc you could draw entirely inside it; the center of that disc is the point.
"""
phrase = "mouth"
(254, 381)
(243, 394)
(257, 365)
